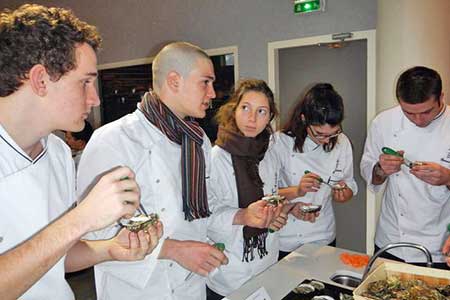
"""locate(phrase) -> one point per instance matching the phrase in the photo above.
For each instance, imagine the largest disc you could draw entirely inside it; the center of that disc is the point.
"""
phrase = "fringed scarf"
(189, 135)
(246, 153)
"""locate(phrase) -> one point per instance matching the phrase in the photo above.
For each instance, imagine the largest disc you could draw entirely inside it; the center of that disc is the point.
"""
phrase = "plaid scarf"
(246, 153)
(189, 135)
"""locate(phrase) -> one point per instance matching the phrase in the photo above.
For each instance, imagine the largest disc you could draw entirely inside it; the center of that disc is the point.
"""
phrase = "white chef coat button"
(401, 215)
(292, 155)
(173, 291)
(149, 151)
(294, 173)
(399, 195)
(171, 265)
(157, 180)
(163, 209)
(1, 239)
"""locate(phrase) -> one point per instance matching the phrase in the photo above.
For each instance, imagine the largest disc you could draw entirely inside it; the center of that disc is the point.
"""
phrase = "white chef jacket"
(134, 142)
(224, 196)
(333, 166)
(412, 210)
(33, 193)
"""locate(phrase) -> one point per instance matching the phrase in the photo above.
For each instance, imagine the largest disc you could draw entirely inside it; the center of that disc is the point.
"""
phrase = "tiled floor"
(82, 284)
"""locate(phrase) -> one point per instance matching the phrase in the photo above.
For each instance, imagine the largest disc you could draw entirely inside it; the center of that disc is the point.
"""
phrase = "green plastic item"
(320, 179)
(219, 246)
(389, 151)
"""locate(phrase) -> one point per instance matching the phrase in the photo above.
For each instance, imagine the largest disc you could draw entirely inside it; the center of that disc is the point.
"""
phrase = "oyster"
(322, 297)
(304, 289)
(317, 285)
(274, 199)
(141, 222)
(444, 290)
(338, 187)
(310, 208)
(343, 296)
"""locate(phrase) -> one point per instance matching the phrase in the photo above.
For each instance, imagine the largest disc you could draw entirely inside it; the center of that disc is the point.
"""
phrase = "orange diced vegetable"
(354, 260)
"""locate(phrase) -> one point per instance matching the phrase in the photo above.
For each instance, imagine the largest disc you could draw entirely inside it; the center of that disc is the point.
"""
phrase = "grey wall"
(137, 28)
(346, 70)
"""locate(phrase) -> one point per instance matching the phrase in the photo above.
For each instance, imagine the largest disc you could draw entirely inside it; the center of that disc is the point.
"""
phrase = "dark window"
(122, 88)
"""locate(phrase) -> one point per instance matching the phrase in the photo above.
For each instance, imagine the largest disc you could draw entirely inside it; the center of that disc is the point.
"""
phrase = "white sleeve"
(372, 151)
(347, 171)
(281, 153)
(98, 157)
(223, 207)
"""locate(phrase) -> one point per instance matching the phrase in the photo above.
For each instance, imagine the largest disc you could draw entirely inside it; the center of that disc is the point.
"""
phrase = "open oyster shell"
(274, 199)
(140, 222)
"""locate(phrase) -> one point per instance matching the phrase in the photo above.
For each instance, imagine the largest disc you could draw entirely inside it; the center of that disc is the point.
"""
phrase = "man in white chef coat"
(170, 154)
(416, 206)
(47, 72)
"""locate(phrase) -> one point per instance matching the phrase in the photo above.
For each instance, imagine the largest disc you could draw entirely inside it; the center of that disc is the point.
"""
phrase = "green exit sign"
(307, 6)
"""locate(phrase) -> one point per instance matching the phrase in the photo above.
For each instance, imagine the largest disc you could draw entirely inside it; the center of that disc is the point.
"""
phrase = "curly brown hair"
(226, 115)
(35, 34)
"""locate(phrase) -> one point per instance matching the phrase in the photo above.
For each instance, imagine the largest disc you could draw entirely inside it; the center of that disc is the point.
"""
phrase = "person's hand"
(446, 251)
(299, 214)
(431, 173)
(260, 214)
(281, 218)
(129, 246)
(278, 222)
(390, 164)
(342, 194)
(309, 183)
(198, 257)
(115, 195)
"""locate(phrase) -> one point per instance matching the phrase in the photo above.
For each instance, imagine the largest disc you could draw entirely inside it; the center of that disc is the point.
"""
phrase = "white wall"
(410, 33)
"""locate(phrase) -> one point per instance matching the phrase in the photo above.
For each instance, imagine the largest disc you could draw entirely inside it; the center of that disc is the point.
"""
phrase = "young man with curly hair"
(47, 72)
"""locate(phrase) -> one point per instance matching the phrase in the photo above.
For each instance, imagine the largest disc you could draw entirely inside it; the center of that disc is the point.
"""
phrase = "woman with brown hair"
(243, 171)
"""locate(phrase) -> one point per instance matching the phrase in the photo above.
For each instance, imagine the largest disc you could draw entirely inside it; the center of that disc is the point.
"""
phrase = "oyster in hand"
(273, 200)
(140, 222)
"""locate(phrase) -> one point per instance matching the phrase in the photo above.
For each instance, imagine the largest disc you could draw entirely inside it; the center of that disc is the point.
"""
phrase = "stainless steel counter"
(307, 262)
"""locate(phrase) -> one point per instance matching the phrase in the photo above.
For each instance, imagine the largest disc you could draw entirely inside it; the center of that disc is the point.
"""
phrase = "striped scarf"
(189, 135)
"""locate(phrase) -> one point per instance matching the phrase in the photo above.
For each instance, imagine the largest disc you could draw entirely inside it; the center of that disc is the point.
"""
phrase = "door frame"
(273, 81)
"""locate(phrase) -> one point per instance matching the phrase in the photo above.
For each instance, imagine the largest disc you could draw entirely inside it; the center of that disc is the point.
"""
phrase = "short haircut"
(180, 57)
(84, 134)
(35, 34)
(418, 84)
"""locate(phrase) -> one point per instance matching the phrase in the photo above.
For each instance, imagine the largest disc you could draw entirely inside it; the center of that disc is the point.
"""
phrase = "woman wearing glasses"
(317, 167)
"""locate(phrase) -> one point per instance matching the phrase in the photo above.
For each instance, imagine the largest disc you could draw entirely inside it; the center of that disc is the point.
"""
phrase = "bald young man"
(171, 156)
